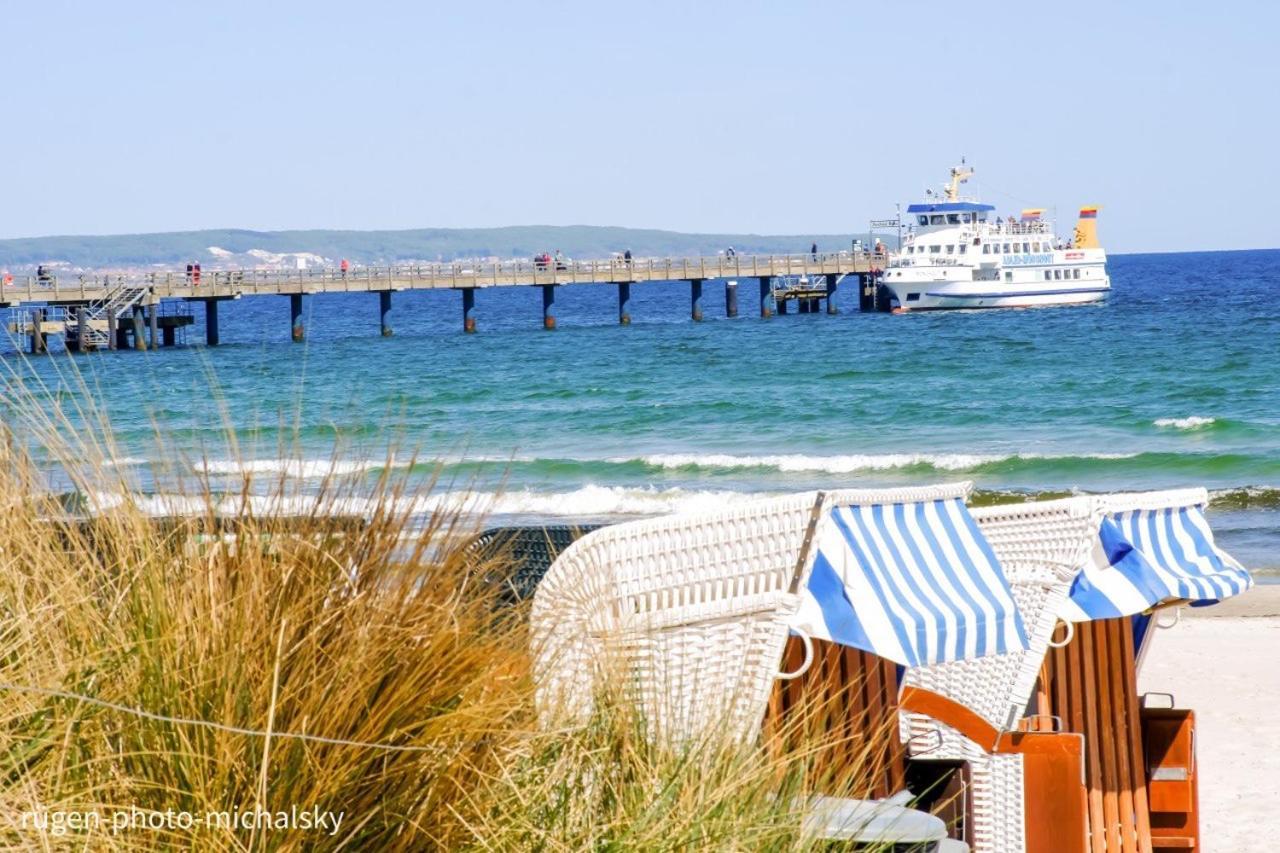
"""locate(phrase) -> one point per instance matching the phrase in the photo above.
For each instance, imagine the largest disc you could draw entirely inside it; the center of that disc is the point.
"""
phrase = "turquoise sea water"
(1172, 382)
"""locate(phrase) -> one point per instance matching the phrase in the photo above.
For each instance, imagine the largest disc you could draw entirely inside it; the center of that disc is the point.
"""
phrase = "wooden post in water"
(833, 281)
(113, 329)
(82, 328)
(731, 298)
(624, 303)
(384, 312)
(296, 328)
(139, 330)
(695, 293)
(468, 310)
(211, 322)
(766, 298)
(153, 320)
(38, 342)
(548, 306)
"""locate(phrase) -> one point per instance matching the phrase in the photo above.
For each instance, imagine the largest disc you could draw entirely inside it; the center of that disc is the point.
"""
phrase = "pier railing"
(454, 274)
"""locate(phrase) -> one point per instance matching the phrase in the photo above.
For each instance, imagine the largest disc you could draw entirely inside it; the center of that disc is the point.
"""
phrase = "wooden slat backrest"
(1091, 685)
(847, 703)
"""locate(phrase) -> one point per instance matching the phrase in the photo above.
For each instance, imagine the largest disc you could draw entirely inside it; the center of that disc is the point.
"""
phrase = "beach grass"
(271, 652)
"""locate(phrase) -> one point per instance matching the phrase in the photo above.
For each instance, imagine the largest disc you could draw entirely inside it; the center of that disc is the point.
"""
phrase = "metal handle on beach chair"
(1071, 632)
(808, 658)
(1177, 617)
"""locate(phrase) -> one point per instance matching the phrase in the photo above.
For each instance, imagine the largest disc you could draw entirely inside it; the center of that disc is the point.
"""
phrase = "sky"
(781, 118)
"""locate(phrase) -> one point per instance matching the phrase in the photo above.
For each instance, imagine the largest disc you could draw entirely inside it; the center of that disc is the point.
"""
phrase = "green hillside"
(581, 241)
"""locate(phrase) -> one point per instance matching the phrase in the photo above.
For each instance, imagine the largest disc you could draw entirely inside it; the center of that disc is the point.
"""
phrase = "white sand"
(1225, 668)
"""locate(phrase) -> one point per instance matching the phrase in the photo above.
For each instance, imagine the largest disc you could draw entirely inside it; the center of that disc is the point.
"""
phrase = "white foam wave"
(1191, 422)
(300, 469)
(848, 463)
(586, 501)
(316, 468)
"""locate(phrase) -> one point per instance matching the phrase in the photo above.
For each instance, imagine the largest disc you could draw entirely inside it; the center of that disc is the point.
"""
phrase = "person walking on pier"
(190, 273)
(813, 250)
(195, 274)
(344, 266)
(730, 253)
(626, 257)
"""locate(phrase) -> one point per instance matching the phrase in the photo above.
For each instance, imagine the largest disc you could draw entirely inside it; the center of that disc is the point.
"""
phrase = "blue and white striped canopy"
(1144, 558)
(916, 583)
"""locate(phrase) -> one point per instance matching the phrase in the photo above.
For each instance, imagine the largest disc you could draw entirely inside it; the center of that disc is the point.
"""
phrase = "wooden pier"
(115, 311)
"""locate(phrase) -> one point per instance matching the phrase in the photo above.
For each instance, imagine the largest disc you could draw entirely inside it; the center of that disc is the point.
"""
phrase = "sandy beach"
(1220, 661)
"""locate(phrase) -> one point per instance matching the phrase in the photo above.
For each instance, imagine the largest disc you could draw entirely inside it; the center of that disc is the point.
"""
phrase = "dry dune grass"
(122, 637)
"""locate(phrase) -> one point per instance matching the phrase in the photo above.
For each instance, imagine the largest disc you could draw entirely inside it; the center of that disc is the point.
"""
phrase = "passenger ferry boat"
(958, 254)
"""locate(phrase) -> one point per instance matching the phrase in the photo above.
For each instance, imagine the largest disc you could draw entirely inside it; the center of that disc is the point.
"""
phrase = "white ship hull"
(939, 294)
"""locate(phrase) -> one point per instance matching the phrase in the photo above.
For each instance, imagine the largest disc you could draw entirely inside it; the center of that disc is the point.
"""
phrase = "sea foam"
(1190, 422)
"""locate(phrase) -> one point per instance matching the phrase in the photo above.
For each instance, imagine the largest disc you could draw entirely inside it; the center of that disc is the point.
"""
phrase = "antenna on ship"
(959, 175)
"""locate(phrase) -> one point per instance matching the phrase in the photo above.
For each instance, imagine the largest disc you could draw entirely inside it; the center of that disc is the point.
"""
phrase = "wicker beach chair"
(691, 606)
(964, 710)
(695, 607)
(1154, 551)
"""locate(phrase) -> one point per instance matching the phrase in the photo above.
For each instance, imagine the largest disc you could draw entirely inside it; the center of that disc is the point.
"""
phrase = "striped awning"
(1148, 557)
(916, 583)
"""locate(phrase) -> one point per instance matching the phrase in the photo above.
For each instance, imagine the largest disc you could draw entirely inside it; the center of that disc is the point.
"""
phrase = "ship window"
(982, 216)
(1057, 274)
(966, 218)
(986, 250)
(1075, 273)
(935, 249)
(937, 219)
(911, 250)
(951, 248)
(1006, 248)
(1035, 247)
(1048, 275)
(1026, 247)
(924, 220)
(913, 297)
(953, 219)
(963, 248)
(1008, 276)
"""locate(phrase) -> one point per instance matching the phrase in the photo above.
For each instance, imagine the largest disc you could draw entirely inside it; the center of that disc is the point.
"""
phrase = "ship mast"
(959, 174)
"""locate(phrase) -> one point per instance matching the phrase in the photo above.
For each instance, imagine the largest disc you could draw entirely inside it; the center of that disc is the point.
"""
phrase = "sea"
(1174, 381)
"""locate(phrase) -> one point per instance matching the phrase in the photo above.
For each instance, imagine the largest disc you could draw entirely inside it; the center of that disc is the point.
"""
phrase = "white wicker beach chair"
(691, 606)
(694, 608)
(1041, 547)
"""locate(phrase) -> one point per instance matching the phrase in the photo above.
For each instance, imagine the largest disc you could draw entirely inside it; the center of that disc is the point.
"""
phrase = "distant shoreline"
(91, 251)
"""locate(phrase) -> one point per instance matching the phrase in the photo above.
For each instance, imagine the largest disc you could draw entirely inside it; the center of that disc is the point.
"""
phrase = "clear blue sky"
(696, 116)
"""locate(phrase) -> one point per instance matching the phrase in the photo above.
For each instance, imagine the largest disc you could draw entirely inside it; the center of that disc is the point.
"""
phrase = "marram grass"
(280, 657)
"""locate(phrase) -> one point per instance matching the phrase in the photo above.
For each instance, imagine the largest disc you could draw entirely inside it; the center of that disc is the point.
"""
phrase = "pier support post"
(153, 320)
(139, 330)
(548, 306)
(782, 307)
(731, 298)
(295, 318)
(82, 329)
(766, 297)
(169, 336)
(866, 292)
(39, 343)
(624, 303)
(695, 294)
(833, 281)
(384, 312)
(113, 330)
(211, 322)
(469, 310)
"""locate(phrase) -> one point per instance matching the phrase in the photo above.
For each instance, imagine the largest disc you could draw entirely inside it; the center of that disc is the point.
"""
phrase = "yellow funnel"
(1086, 236)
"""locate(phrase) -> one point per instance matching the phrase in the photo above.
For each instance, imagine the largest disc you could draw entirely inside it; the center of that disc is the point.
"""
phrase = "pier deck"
(232, 283)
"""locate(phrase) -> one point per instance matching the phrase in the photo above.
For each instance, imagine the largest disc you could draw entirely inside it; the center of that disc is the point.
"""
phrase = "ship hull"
(941, 295)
